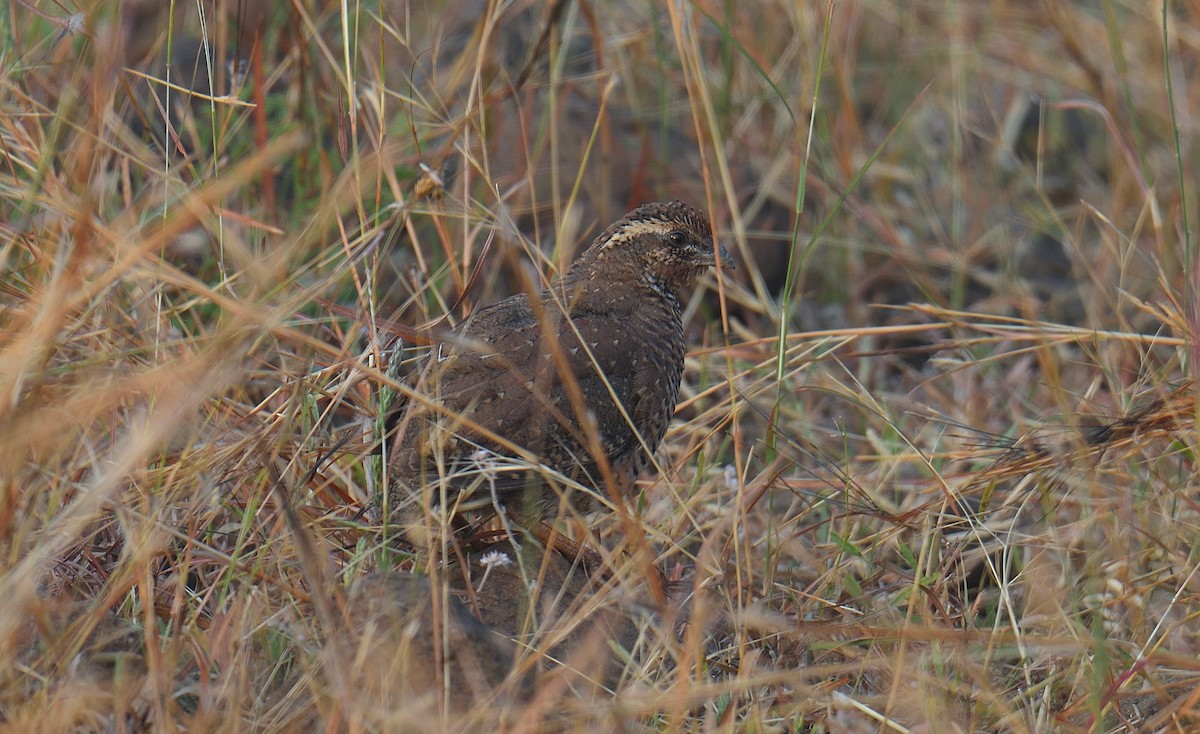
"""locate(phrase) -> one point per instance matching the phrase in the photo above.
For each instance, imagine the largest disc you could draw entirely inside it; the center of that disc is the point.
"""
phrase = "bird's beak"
(725, 258)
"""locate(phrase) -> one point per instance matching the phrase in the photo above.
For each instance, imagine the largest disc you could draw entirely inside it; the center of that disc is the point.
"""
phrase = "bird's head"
(667, 243)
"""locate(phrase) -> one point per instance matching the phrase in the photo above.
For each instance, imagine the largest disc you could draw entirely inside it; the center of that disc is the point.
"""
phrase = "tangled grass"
(933, 466)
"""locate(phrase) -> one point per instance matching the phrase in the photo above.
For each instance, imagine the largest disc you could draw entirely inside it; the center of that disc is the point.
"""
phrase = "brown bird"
(536, 396)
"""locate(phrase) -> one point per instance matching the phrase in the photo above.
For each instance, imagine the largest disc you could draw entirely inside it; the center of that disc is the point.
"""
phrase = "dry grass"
(932, 471)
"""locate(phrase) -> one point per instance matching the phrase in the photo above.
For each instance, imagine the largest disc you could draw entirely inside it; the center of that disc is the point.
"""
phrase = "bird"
(538, 396)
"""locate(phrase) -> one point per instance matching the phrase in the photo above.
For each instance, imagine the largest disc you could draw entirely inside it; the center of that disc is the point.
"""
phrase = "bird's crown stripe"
(638, 228)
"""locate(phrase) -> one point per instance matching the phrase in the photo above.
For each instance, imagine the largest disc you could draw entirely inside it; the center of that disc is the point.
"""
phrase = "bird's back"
(520, 380)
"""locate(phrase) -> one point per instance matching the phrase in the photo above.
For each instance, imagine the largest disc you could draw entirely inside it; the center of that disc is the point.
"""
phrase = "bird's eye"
(678, 238)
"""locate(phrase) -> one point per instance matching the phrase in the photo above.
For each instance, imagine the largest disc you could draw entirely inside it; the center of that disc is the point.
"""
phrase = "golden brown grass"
(934, 471)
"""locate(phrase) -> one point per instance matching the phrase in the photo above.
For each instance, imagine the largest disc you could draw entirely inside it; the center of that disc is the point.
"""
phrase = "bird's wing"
(522, 389)
(497, 386)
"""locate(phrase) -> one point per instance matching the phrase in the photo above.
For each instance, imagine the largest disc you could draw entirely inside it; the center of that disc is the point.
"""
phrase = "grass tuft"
(934, 462)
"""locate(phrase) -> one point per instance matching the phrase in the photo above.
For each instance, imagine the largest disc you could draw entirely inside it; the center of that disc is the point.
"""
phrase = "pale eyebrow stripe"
(638, 228)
